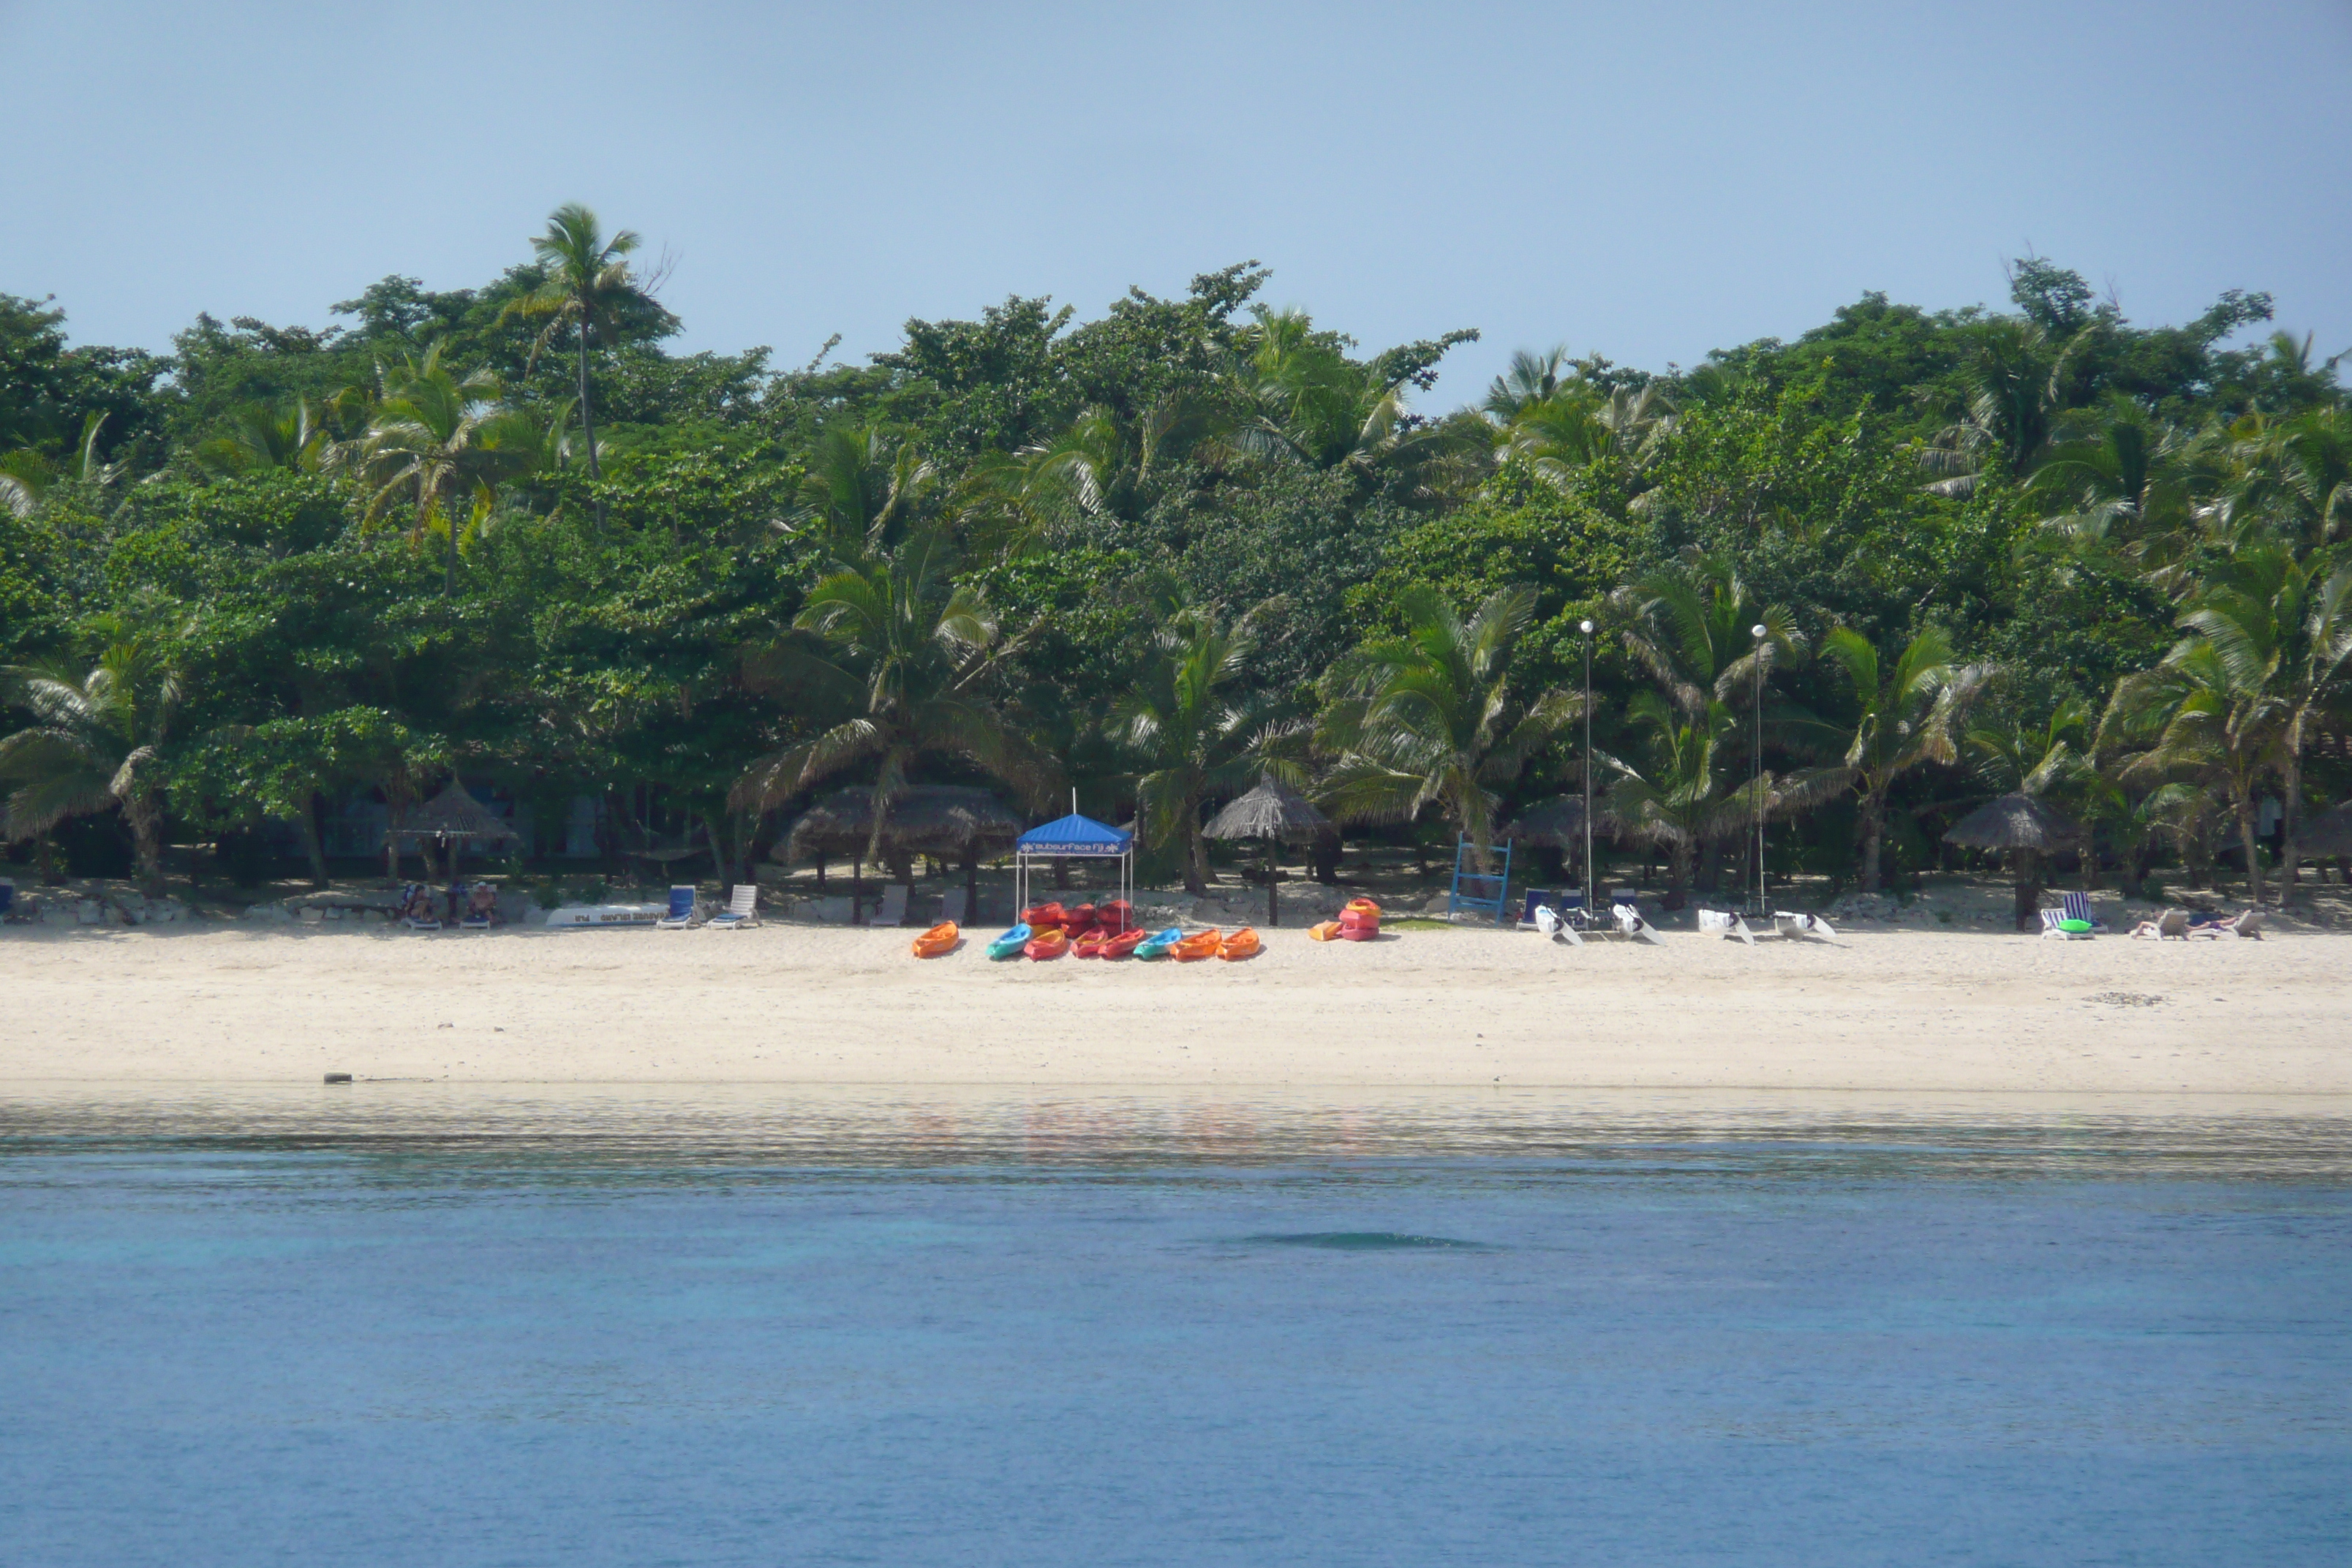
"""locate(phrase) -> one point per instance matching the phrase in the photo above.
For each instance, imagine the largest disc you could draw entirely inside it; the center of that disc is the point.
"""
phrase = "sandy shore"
(1882, 1012)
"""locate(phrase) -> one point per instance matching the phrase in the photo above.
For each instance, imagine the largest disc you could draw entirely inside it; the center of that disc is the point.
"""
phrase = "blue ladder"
(1481, 892)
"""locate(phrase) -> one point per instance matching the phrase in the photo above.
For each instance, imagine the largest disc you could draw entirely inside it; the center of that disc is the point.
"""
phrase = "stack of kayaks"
(940, 939)
(1010, 944)
(1161, 944)
(1242, 944)
(1360, 921)
(1051, 943)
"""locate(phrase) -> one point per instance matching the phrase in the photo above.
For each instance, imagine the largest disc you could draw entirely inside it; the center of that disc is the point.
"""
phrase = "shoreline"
(1903, 1012)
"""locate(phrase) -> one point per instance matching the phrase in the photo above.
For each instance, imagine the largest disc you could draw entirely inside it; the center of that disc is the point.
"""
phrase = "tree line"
(1854, 582)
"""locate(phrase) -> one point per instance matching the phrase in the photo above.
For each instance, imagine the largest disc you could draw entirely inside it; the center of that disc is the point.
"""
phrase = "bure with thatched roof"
(2024, 830)
(1273, 814)
(949, 821)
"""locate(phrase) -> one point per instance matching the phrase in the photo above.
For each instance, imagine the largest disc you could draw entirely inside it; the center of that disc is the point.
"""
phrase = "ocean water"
(411, 1325)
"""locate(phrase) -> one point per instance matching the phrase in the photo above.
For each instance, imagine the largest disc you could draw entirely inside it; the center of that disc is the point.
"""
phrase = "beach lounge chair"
(1549, 921)
(742, 909)
(1796, 927)
(2071, 922)
(681, 909)
(952, 906)
(1728, 923)
(416, 908)
(2171, 923)
(477, 904)
(2247, 924)
(893, 909)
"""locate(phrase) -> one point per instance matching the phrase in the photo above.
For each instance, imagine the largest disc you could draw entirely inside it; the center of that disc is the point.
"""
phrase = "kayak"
(1082, 917)
(1117, 915)
(1090, 945)
(1327, 931)
(1124, 945)
(1242, 944)
(1192, 947)
(1051, 943)
(1039, 916)
(1159, 946)
(1010, 944)
(939, 939)
(1363, 908)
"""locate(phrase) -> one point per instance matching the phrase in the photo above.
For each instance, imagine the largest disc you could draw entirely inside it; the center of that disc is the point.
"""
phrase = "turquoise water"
(1106, 1332)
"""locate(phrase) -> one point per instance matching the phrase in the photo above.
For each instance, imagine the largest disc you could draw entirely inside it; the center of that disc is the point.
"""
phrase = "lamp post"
(1757, 770)
(1586, 627)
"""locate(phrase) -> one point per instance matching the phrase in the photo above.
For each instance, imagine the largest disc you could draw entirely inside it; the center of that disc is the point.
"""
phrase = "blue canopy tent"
(1073, 837)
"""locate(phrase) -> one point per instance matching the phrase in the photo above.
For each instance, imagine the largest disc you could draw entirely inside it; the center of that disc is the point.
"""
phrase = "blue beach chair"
(681, 909)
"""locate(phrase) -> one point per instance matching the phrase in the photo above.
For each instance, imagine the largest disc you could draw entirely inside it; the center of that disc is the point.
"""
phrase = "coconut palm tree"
(905, 649)
(1429, 717)
(2018, 377)
(2118, 479)
(439, 444)
(1192, 738)
(94, 744)
(862, 492)
(589, 285)
(1900, 715)
(262, 437)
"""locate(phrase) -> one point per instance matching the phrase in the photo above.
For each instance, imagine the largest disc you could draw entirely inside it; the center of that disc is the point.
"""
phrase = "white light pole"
(1757, 784)
(1586, 627)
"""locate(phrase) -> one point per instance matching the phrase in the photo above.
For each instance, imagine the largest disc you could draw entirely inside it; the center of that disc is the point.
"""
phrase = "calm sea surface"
(399, 1324)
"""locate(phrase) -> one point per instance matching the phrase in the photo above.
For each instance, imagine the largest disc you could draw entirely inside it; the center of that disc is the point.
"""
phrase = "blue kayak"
(1010, 944)
(1158, 946)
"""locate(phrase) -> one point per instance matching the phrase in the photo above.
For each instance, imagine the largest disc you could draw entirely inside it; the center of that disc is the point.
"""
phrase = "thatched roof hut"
(1559, 822)
(2015, 822)
(2327, 835)
(454, 814)
(1274, 811)
(928, 819)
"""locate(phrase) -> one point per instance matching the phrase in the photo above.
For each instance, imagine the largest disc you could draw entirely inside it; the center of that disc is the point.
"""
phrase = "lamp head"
(1758, 631)
(1584, 626)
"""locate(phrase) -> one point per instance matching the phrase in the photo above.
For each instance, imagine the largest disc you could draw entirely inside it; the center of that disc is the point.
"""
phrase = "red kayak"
(1091, 945)
(1124, 945)
(1117, 915)
(1038, 917)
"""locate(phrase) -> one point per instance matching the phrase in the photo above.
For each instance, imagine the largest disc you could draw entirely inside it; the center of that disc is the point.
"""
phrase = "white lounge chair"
(1548, 921)
(1728, 923)
(1796, 927)
(952, 906)
(742, 909)
(2171, 923)
(893, 911)
(408, 902)
(2248, 926)
(681, 909)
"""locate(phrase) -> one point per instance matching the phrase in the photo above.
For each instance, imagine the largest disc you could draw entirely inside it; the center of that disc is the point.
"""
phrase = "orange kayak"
(1201, 946)
(1242, 944)
(1327, 931)
(1051, 943)
(1124, 945)
(939, 939)
(1090, 945)
(1038, 917)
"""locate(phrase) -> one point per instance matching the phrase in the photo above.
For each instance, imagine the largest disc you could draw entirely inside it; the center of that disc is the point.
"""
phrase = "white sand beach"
(1883, 1012)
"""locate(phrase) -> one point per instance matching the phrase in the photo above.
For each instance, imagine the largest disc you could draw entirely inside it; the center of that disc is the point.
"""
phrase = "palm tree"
(263, 436)
(2017, 379)
(1559, 436)
(1900, 717)
(94, 744)
(862, 492)
(2117, 477)
(1429, 717)
(436, 440)
(2272, 640)
(1192, 737)
(1682, 800)
(589, 283)
(905, 649)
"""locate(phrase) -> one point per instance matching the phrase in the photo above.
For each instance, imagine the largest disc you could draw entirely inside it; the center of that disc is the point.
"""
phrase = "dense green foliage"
(502, 533)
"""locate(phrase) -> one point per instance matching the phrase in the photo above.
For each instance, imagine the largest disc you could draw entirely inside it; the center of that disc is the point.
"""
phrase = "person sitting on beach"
(419, 906)
(482, 903)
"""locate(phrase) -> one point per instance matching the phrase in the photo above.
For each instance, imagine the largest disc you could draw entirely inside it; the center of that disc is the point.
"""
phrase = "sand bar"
(1881, 1012)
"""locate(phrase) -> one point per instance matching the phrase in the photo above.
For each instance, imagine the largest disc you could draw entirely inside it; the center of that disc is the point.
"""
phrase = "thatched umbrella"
(1273, 814)
(2022, 829)
(452, 817)
(945, 820)
(1559, 823)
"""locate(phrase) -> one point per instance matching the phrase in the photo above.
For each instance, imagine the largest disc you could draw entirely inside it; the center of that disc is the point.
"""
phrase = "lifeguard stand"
(1482, 892)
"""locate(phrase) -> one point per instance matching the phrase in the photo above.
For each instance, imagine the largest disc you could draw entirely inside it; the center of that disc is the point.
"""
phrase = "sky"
(1643, 180)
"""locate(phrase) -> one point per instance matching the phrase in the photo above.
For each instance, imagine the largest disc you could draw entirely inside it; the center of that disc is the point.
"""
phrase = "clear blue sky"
(1646, 181)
